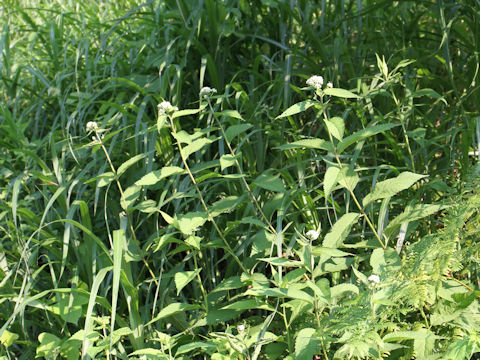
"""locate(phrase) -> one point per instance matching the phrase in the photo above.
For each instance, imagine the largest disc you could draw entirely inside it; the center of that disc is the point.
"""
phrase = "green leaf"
(130, 196)
(235, 130)
(330, 252)
(205, 346)
(182, 278)
(330, 180)
(362, 134)
(183, 137)
(190, 222)
(187, 112)
(8, 338)
(232, 114)
(414, 213)
(124, 167)
(390, 187)
(341, 93)
(336, 127)
(430, 93)
(249, 304)
(228, 160)
(193, 241)
(309, 144)
(297, 108)
(172, 309)
(196, 146)
(154, 177)
(340, 230)
(279, 261)
(105, 179)
(233, 282)
(338, 290)
(269, 182)
(306, 345)
(225, 205)
(348, 178)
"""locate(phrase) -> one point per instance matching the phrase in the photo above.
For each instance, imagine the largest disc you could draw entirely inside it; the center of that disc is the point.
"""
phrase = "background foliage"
(185, 235)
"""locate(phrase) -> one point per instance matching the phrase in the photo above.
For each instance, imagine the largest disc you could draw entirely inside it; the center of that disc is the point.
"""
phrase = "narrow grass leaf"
(118, 241)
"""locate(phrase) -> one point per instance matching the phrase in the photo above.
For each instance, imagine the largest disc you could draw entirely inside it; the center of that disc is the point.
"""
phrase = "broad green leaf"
(190, 222)
(348, 178)
(428, 92)
(340, 289)
(69, 307)
(8, 338)
(330, 180)
(153, 354)
(336, 127)
(424, 341)
(124, 167)
(391, 187)
(306, 345)
(412, 214)
(279, 261)
(182, 278)
(297, 108)
(232, 114)
(195, 146)
(248, 304)
(147, 206)
(278, 292)
(183, 137)
(309, 144)
(130, 195)
(105, 179)
(363, 134)
(235, 130)
(227, 160)
(269, 182)
(194, 346)
(172, 309)
(340, 230)
(330, 252)
(231, 283)
(193, 241)
(48, 344)
(225, 205)
(154, 177)
(341, 93)
(187, 112)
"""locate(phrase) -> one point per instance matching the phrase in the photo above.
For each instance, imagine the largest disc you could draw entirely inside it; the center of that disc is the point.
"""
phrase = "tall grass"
(184, 235)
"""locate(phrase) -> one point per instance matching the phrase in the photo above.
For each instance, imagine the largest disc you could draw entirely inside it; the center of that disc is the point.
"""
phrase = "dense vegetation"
(239, 179)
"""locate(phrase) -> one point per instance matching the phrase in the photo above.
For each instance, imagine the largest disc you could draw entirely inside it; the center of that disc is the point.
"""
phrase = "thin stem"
(237, 164)
(202, 201)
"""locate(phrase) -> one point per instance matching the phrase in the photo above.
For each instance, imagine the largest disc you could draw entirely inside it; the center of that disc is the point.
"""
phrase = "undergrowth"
(239, 180)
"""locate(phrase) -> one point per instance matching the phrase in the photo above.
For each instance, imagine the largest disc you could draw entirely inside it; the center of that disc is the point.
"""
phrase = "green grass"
(184, 235)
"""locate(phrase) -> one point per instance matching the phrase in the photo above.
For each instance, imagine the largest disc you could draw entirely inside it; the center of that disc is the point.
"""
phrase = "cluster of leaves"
(271, 220)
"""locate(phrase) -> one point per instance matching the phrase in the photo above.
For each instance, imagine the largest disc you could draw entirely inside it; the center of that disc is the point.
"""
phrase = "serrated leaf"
(341, 93)
(183, 137)
(391, 187)
(330, 180)
(340, 230)
(154, 177)
(195, 146)
(336, 127)
(187, 112)
(340, 289)
(269, 182)
(190, 222)
(306, 345)
(363, 134)
(8, 338)
(279, 261)
(298, 108)
(235, 130)
(348, 178)
(309, 144)
(414, 213)
(193, 241)
(182, 278)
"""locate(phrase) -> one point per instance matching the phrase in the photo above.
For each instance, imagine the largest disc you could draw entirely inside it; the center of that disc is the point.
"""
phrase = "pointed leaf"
(235, 130)
(297, 108)
(390, 187)
(363, 134)
(341, 93)
(269, 182)
(336, 126)
(190, 222)
(309, 144)
(340, 230)
(154, 177)
(330, 180)
(183, 278)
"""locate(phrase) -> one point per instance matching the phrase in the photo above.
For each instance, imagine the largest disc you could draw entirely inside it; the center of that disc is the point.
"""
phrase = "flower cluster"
(374, 279)
(312, 234)
(91, 126)
(165, 108)
(206, 92)
(316, 81)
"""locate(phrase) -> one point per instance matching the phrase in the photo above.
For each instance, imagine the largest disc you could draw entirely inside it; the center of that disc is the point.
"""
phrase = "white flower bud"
(241, 328)
(206, 92)
(374, 279)
(316, 81)
(312, 234)
(165, 108)
(91, 126)
(329, 84)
